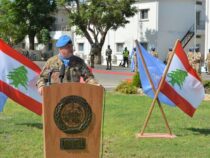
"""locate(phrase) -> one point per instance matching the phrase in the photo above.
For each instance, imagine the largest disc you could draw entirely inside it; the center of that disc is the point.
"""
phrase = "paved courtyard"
(108, 78)
(111, 78)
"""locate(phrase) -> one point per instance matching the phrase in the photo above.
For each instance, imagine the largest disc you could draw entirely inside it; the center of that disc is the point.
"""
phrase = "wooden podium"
(72, 114)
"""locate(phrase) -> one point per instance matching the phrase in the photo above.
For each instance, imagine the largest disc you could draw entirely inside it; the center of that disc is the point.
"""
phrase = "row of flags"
(182, 86)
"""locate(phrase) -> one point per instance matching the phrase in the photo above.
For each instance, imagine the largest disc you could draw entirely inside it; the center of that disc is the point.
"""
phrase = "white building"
(158, 23)
(207, 25)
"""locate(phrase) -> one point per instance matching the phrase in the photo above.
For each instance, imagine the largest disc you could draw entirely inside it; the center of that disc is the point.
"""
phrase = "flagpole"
(153, 88)
(164, 76)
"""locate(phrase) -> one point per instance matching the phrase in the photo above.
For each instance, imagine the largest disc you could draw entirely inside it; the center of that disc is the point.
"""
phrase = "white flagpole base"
(156, 135)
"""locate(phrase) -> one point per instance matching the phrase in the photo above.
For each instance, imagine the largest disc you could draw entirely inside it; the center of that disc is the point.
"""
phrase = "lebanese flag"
(18, 76)
(182, 84)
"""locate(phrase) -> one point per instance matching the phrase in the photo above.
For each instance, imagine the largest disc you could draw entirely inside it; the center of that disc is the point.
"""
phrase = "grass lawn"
(21, 131)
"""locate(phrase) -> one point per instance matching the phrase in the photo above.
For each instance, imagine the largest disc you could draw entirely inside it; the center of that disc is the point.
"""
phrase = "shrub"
(126, 87)
(136, 80)
(206, 85)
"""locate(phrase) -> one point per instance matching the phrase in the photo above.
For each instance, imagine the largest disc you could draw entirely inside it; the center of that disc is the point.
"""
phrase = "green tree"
(31, 16)
(94, 18)
(43, 36)
(9, 31)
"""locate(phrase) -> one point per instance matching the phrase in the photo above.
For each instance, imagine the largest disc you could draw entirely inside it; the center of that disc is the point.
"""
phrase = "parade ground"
(21, 131)
(109, 79)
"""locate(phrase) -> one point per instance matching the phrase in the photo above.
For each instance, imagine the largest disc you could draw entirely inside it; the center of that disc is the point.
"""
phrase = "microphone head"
(62, 71)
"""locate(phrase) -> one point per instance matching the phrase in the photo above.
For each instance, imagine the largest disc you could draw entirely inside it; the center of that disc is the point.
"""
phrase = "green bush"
(136, 80)
(126, 87)
(206, 85)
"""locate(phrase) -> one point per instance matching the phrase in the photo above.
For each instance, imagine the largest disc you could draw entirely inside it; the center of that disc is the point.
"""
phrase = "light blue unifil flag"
(3, 99)
(156, 68)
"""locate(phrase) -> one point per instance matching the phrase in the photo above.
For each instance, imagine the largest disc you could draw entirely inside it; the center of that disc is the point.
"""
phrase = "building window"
(198, 18)
(198, 2)
(144, 44)
(198, 36)
(144, 14)
(81, 47)
(119, 47)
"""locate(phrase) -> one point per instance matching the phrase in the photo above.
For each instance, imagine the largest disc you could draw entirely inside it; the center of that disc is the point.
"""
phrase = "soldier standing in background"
(125, 56)
(93, 51)
(190, 57)
(154, 53)
(169, 55)
(208, 62)
(108, 58)
(73, 66)
(197, 60)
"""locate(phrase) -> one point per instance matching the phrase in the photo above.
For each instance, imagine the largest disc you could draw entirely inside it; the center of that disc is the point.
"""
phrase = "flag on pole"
(182, 84)
(18, 77)
(155, 68)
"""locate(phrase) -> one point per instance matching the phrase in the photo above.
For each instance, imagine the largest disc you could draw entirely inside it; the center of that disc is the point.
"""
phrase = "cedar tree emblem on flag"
(177, 77)
(18, 77)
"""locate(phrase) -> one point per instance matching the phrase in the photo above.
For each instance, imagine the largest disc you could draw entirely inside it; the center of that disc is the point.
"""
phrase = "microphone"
(49, 77)
(62, 73)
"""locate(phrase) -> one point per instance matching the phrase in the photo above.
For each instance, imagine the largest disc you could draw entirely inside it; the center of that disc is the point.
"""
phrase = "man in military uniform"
(190, 56)
(197, 60)
(154, 53)
(93, 51)
(73, 66)
(208, 62)
(125, 56)
(169, 55)
(108, 58)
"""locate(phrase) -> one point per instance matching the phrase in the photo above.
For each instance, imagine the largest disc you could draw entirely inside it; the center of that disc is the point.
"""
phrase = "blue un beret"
(62, 41)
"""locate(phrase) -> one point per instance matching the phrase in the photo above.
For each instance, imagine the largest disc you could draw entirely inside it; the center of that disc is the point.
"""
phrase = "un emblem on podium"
(72, 114)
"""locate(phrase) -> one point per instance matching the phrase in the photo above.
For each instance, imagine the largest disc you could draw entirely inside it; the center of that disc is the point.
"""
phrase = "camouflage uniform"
(75, 69)
(155, 54)
(191, 58)
(93, 52)
(208, 62)
(109, 58)
(168, 56)
(197, 61)
(92, 58)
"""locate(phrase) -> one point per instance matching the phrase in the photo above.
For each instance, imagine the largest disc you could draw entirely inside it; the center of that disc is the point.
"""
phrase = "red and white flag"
(18, 76)
(182, 84)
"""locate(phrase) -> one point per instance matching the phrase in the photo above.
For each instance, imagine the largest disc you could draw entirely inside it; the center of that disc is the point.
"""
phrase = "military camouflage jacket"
(197, 57)
(75, 69)
(208, 57)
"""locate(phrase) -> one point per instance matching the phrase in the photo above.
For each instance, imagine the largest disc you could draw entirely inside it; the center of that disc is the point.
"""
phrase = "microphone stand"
(62, 73)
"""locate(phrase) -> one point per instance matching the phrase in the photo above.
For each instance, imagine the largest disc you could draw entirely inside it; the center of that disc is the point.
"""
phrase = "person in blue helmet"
(73, 66)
